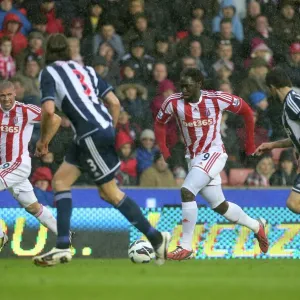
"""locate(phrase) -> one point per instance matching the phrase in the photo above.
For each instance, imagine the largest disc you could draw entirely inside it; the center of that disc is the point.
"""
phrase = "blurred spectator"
(183, 63)
(292, 65)
(140, 31)
(179, 175)
(165, 89)
(7, 63)
(41, 178)
(263, 171)
(76, 28)
(287, 26)
(94, 18)
(255, 80)
(157, 175)
(6, 7)
(253, 10)
(125, 125)
(54, 24)
(164, 51)
(145, 153)
(74, 46)
(159, 74)
(140, 60)
(45, 161)
(23, 91)
(227, 34)
(260, 49)
(195, 51)
(223, 70)
(11, 27)
(286, 173)
(133, 99)
(225, 86)
(127, 175)
(39, 24)
(228, 10)
(129, 73)
(199, 12)
(35, 47)
(110, 74)
(196, 32)
(177, 158)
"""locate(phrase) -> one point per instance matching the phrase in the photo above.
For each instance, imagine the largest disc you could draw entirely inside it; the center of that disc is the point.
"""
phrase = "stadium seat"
(276, 154)
(238, 176)
(224, 178)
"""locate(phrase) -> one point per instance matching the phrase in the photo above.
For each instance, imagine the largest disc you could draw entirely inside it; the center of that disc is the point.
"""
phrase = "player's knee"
(33, 208)
(113, 198)
(186, 195)
(293, 205)
(221, 208)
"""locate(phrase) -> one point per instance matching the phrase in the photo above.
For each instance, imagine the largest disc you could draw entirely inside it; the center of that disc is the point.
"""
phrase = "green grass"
(120, 279)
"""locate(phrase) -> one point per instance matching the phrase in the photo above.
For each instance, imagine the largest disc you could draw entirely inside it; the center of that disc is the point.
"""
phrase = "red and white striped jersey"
(199, 123)
(16, 126)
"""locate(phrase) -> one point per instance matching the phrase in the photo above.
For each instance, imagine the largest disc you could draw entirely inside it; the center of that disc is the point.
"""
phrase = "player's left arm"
(114, 106)
(240, 107)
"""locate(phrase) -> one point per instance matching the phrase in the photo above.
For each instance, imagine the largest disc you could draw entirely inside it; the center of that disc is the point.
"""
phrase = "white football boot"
(54, 257)
(162, 251)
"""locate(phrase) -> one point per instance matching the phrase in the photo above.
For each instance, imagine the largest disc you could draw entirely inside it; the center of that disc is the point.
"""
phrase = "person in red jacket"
(128, 170)
(54, 24)
(12, 28)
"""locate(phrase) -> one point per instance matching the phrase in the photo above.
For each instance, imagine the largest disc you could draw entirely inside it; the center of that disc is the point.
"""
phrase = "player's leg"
(24, 194)
(234, 213)
(293, 201)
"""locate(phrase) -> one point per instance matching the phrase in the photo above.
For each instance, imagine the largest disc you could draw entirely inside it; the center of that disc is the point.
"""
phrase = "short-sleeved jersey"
(16, 131)
(291, 118)
(199, 123)
(76, 90)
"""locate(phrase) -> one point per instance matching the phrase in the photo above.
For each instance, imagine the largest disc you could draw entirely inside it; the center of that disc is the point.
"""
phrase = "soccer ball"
(141, 252)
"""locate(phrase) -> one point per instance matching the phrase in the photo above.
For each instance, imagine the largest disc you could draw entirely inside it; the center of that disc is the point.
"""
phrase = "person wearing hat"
(292, 65)
(259, 100)
(6, 7)
(140, 60)
(286, 171)
(158, 175)
(141, 31)
(255, 80)
(35, 47)
(39, 24)
(145, 153)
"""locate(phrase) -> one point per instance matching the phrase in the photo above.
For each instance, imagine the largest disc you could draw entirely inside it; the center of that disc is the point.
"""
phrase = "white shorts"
(14, 177)
(212, 163)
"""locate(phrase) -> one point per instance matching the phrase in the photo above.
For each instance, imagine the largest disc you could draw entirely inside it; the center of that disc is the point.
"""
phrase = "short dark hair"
(5, 39)
(278, 78)
(195, 74)
(225, 20)
(57, 48)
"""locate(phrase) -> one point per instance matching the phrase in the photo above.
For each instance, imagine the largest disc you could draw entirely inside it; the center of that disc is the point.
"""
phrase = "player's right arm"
(163, 117)
(265, 147)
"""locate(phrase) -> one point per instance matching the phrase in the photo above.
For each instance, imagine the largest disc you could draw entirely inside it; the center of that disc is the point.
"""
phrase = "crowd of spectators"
(140, 47)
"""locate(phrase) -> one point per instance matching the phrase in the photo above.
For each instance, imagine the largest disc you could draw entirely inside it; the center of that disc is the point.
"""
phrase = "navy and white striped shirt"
(76, 90)
(291, 118)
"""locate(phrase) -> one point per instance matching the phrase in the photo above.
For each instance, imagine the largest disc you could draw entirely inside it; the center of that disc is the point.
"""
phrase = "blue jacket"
(144, 158)
(237, 27)
(26, 27)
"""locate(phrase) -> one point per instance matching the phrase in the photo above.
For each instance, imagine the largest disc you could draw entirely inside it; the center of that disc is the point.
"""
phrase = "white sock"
(236, 215)
(46, 218)
(189, 219)
(1, 231)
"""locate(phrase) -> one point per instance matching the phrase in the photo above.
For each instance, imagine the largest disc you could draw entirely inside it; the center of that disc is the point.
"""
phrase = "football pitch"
(87, 279)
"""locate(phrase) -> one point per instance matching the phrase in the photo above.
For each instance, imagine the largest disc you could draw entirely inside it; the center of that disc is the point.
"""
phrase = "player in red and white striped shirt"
(16, 126)
(198, 114)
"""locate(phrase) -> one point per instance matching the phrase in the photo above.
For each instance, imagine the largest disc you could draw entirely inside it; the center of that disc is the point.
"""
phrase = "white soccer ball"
(141, 252)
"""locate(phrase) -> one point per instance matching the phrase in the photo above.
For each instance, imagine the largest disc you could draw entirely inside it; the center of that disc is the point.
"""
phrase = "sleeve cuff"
(47, 99)
(109, 89)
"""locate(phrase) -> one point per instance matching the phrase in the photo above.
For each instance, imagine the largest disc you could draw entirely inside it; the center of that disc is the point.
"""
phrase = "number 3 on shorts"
(206, 156)
(91, 165)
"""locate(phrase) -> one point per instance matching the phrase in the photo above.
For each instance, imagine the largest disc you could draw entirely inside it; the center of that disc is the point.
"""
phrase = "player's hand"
(263, 148)
(41, 149)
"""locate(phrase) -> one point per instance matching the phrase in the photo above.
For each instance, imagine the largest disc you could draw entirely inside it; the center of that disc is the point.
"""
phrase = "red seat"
(276, 154)
(224, 178)
(238, 176)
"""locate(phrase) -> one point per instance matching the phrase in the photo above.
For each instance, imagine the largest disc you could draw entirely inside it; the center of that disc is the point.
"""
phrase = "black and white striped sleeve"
(293, 107)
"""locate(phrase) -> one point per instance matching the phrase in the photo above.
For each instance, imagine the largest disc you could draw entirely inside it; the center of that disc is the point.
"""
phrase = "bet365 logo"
(9, 129)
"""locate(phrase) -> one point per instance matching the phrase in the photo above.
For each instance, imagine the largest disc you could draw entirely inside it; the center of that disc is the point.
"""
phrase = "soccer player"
(75, 90)
(16, 126)
(281, 88)
(198, 114)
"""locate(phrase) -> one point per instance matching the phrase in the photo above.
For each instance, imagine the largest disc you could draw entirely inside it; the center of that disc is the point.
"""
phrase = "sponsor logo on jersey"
(236, 102)
(207, 112)
(198, 122)
(9, 129)
(160, 114)
(16, 120)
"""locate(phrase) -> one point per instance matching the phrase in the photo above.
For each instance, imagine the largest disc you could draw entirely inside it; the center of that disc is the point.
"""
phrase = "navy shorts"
(98, 158)
(296, 186)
